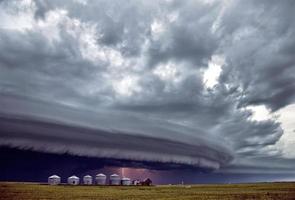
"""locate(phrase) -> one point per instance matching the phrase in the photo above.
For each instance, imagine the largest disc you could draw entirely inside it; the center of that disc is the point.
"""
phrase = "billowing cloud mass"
(175, 82)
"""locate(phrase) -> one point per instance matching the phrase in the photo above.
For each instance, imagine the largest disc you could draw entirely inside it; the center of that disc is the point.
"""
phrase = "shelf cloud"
(106, 135)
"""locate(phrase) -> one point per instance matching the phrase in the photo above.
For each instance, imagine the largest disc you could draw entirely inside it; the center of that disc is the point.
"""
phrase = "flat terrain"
(227, 191)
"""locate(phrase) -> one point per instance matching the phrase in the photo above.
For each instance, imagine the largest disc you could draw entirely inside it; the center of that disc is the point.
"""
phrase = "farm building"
(115, 179)
(125, 181)
(146, 182)
(100, 179)
(73, 180)
(53, 180)
(87, 180)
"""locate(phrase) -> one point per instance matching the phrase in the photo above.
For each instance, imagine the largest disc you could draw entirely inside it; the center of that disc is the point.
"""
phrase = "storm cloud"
(126, 80)
(106, 134)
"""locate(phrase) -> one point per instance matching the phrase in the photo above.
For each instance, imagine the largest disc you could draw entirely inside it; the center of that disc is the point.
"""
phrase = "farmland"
(222, 191)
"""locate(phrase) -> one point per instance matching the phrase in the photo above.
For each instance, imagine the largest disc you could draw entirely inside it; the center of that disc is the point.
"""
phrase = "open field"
(228, 191)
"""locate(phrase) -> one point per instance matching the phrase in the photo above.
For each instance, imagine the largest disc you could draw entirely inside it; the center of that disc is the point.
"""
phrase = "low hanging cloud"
(56, 129)
(127, 81)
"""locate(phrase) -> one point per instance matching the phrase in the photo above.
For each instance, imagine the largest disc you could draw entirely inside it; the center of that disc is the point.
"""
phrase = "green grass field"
(230, 191)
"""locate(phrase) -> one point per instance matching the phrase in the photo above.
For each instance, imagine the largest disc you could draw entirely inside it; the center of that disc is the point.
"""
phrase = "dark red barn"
(147, 182)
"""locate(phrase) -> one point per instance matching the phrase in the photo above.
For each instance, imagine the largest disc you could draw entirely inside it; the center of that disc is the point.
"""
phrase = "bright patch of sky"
(20, 17)
(157, 28)
(287, 120)
(127, 86)
(212, 74)
(285, 117)
(259, 113)
(167, 72)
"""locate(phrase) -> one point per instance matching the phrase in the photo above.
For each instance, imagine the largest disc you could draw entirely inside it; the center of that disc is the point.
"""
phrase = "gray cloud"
(105, 135)
(138, 69)
(260, 59)
(189, 37)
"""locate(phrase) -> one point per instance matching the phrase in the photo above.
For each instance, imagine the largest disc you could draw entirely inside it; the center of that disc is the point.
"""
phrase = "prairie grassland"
(208, 192)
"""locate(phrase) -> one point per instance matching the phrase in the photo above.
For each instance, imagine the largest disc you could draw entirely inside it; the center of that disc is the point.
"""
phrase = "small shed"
(136, 182)
(100, 179)
(73, 180)
(125, 181)
(87, 180)
(115, 179)
(53, 180)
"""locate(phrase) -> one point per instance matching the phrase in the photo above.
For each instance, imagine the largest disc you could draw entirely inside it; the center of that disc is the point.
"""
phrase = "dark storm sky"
(164, 84)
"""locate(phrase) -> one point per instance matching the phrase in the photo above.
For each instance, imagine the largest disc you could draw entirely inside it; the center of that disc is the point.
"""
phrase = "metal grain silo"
(125, 181)
(87, 180)
(73, 180)
(100, 179)
(53, 180)
(115, 179)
